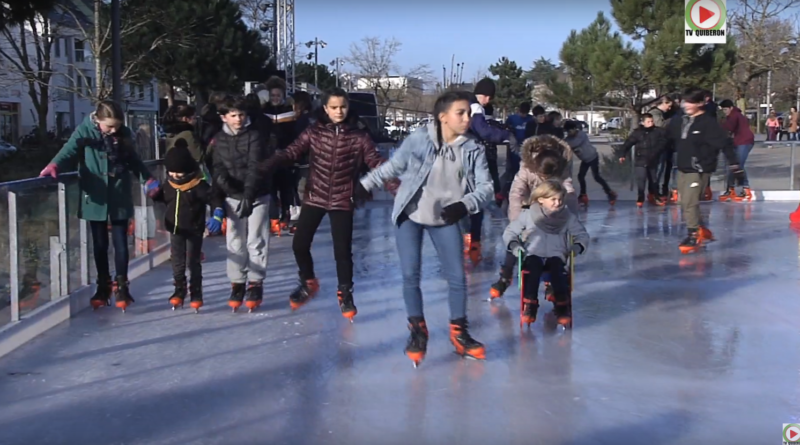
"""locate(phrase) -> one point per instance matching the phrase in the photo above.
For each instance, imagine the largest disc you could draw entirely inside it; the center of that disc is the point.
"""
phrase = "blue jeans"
(119, 238)
(742, 151)
(449, 247)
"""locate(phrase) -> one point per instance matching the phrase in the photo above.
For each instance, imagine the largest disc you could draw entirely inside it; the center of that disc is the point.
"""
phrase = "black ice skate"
(499, 287)
(563, 310)
(122, 293)
(530, 307)
(692, 243)
(465, 345)
(346, 304)
(255, 294)
(196, 296)
(176, 300)
(417, 345)
(304, 292)
(237, 296)
(102, 296)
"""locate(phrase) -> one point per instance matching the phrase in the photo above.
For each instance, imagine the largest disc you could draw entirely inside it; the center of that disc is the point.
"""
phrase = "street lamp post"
(316, 43)
(337, 65)
(591, 107)
(116, 52)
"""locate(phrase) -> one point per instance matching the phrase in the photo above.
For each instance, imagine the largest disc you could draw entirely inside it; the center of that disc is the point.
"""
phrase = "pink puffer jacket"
(526, 180)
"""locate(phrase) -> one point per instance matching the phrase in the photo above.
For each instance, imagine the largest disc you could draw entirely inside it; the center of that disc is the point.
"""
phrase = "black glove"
(245, 208)
(454, 212)
(360, 194)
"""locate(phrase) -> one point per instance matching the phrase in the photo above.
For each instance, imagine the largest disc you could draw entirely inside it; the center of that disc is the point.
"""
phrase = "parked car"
(6, 150)
(615, 123)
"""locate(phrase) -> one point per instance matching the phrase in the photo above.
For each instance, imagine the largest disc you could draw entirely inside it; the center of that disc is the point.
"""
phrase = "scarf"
(551, 223)
(112, 146)
(188, 182)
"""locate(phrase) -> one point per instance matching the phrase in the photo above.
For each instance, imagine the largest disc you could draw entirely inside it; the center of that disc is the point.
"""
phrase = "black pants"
(646, 176)
(535, 266)
(495, 173)
(342, 233)
(183, 245)
(282, 194)
(667, 171)
(595, 166)
(475, 226)
(119, 236)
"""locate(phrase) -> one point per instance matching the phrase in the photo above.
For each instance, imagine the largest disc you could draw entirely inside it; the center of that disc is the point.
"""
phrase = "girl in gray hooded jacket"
(544, 236)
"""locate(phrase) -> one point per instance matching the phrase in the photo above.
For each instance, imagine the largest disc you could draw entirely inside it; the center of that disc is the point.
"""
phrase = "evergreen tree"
(304, 72)
(214, 50)
(512, 85)
(542, 72)
(667, 62)
(599, 67)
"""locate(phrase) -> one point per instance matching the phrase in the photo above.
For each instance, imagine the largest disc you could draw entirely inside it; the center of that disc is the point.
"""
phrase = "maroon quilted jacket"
(337, 154)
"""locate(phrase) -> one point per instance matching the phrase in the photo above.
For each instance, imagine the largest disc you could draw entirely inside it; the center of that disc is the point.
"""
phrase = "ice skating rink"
(665, 349)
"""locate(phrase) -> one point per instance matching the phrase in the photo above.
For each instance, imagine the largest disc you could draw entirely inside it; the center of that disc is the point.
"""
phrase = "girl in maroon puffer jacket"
(337, 151)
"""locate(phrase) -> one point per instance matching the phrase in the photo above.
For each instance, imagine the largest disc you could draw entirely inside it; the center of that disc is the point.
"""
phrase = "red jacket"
(738, 125)
(337, 153)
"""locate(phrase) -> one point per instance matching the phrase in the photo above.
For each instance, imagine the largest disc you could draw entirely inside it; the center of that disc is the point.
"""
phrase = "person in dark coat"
(186, 196)
(103, 150)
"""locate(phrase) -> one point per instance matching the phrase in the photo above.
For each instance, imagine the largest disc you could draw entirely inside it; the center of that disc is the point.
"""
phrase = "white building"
(399, 83)
(72, 64)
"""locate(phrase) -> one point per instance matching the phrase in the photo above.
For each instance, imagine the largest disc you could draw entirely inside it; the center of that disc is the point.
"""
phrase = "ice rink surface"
(665, 349)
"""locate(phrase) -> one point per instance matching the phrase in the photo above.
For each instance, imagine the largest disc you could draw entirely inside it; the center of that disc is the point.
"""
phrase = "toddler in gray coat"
(544, 236)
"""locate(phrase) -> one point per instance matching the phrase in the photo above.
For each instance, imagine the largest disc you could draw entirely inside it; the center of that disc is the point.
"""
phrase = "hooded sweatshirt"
(581, 146)
(444, 185)
(547, 235)
(738, 125)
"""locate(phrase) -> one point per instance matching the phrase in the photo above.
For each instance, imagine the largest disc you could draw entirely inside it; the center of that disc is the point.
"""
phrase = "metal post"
(84, 230)
(769, 92)
(156, 149)
(62, 239)
(316, 64)
(791, 165)
(633, 167)
(55, 269)
(13, 250)
(141, 225)
(116, 53)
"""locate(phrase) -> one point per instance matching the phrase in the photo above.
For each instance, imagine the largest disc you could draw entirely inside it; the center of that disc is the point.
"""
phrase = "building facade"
(71, 84)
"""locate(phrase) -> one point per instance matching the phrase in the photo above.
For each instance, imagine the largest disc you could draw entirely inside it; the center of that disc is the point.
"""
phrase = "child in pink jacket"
(543, 157)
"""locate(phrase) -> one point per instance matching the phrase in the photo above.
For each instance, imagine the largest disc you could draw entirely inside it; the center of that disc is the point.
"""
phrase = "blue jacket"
(482, 129)
(413, 161)
(518, 123)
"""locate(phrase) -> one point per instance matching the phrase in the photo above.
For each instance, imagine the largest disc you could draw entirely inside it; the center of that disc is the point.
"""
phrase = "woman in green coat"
(103, 150)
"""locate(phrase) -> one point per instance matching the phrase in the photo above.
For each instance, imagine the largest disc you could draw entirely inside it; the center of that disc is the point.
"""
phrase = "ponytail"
(442, 105)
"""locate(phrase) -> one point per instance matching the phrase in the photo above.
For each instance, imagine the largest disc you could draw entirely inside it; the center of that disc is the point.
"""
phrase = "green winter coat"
(102, 197)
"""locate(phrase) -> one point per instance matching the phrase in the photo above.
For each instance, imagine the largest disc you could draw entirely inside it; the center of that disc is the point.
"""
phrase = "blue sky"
(478, 33)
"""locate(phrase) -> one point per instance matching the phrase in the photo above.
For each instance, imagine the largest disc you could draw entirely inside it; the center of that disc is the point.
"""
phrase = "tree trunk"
(171, 95)
(98, 66)
(42, 111)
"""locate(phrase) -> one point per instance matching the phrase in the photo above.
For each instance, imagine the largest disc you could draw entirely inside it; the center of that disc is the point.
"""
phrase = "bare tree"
(373, 62)
(766, 40)
(97, 34)
(480, 73)
(25, 50)
(260, 15)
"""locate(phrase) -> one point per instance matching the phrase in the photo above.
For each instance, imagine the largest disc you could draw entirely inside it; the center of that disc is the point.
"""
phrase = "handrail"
(25, 184)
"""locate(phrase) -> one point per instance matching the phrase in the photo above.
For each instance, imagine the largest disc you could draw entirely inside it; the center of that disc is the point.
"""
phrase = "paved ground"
(665, 350)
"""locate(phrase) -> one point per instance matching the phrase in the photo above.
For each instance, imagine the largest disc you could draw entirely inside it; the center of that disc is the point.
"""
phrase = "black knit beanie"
(485, 87)
(179, 159)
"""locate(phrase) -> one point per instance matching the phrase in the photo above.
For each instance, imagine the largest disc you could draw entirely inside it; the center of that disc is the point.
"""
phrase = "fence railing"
(50, 249)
